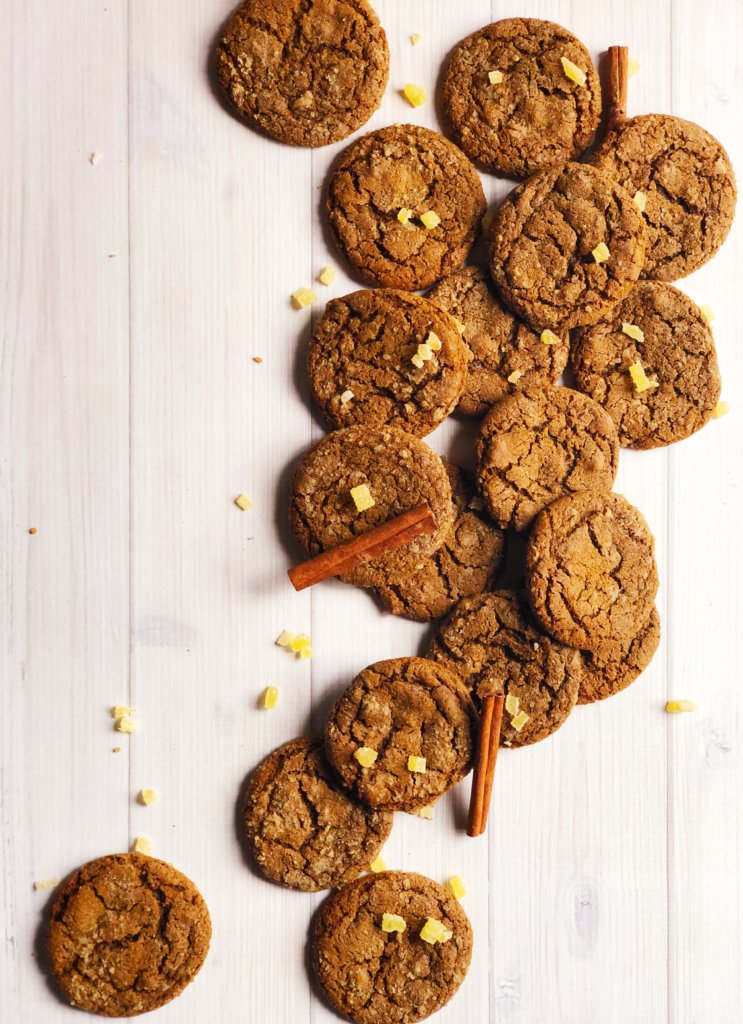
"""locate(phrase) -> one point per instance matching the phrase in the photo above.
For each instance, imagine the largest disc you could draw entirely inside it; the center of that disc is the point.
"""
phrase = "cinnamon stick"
(488, 743)
(372, 544)
(617, 98)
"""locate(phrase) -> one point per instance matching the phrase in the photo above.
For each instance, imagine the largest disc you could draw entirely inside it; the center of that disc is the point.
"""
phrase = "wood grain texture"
(607, 889)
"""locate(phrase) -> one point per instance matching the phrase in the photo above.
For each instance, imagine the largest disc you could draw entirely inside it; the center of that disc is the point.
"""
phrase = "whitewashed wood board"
(135, 294)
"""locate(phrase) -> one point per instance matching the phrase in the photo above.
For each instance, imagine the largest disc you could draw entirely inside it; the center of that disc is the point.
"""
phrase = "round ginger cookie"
(365, 363)
(590, 569)
(493, 645)
(306, 72)
(404, 171)
(533, 116)
(502, 346)
(546, 254)
(541, 444)
(615, 666)
(303, 830)
(375, 977)
(687, 183)
(677, 354)
(465, 564)
(127, 933)
(402, 708)
(400, 471)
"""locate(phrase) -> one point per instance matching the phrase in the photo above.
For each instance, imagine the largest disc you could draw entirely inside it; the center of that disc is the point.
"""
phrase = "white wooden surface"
(135, 294)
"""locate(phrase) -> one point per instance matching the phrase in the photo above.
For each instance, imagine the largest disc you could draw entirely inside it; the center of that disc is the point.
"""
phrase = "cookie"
(494, 646)
(303, 830)
(306, 72)
(127, 933)
(547, 236)
(402, 708)
(590, 569)
(361, 361)
(533, 116)
(677, 353)
(615, 666)
(465, 564)
(376, 977)
(397, 172)
(400, 472)
(541, 444)
(688, 186)
(501, 345)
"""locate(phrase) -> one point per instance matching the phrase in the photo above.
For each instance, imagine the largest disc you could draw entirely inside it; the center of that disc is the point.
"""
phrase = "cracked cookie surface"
(494, 646)
(465, 564)
(499, 342)
(127, 933)
(307, 72)
(615, 666)
(404, 167)
(542, 244)
(374, 977)
(535, 116)
(590, 569)
(538, 445)
(678, 352)
(303, 829)
(365, 343)
(401, 708)
(688, 183)
(400, 470)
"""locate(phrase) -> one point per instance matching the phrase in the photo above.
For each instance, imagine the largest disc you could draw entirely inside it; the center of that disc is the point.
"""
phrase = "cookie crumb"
(633, 66)
(393, 923)
(147, 797)
(243, 501)
(302, 298)
(548, 337)
(430, 219)
(640, 199)
(433, 931)
(365, 756)
(377, 865)
(142, 845)
(361, 495)
(257, 359)
(515, 377)
(721, 409)
(415, 38)
(707, 312)
(640, 379)
(416, 764)
(634, 332)
(126, 724)
(572, 71)
(33, 530)
(95, 157)
(495, 77)
(457, 887)
(346, 397)
(519, 721)
(512, 704)
(433, 341)
(425, 812)
(45, 884)
(269, 698)
(327, 275)
(116, 750)
(601, 252)
(676, 706)
(414, 94)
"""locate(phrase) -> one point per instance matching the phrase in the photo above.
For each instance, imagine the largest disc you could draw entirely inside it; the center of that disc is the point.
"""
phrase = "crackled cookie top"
(676, 353)
(686, 185)
(465, 564)
(494, 646)
(402, 708)
(366, 361)
(511, 105)
(127, 933)
(398, 470)
(566, 247)
(307, 72)
(303, 829)
(615, 666)
(590, 569)
(506, 353)
(376, 977)
(541, 444)
(383, 185)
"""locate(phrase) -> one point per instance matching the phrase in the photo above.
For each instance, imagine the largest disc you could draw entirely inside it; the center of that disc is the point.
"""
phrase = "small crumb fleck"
(126, 724)
(142, 845)
(366, 756)
(640, 379)
(362, 498)
(95, 157)
(572, 71)
(33, 530)
(460, 326)
(415, 38)
(414, 94)
(515, 377)
(327, 275)
(243, 501)
(433, 341)
(45, 884)
(633, 66)
(269, 698)
(416, 764)
(495, 77)
(147, 797)
(601, 252)
(430, 219)
(257, 359)
(377, 865)
(519, 721)
(721, 409)
(676, 706)
(425, 812)
(393, 923)
(112, 255)
(457, 887)
(302, 298)
(707, 312)
(549, 338)
(346, 397)
(640, 199)
(433, 931)
(634, 332)
(404, 215)
(512, 704)
(116, 750)
(476, 503)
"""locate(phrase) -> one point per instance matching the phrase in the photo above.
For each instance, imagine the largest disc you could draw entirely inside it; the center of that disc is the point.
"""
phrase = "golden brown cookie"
(541, 444)
(307, 72)
(510, 104)
(382, 186)
(304, 831)
(400, 471)
(566, 247)
(687, 188)
(127, 933)
(465, 564)
(590, 569)
(402, 708)
(506, 353)
(615, 666)
(376, 977)
(366, 361)
(493, 644)
(676, 353)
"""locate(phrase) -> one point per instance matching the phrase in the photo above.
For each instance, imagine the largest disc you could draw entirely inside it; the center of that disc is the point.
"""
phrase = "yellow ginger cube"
(414, 94)
(495, 77)
(433, 931)
(425, 812)
(572, 71)
(347, 396)
(362, 498)
(634, 332)
(327, 275)
(303, 297)
(366, 756)
(640, 200)
(45, 884)
(300, 642)
(457, 887)
(269, 698)
(721, 409)
(147, 797)
(122, 710)
(142, 845)
(676, 706)
(393, 923)
(515, 377)
(601, 252)
(404, 215)
(416, 764)
(415, 38)
(633, 66)
(430, 219)
(243, 501)
(425, 352)
(707, 312)
(549, 338)
(512, 704)
(284, 638)
(305, 654)
(377, 865)
(417, 361)
(126, 724)
(433, 341)
(640, 379)
(519, 721)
